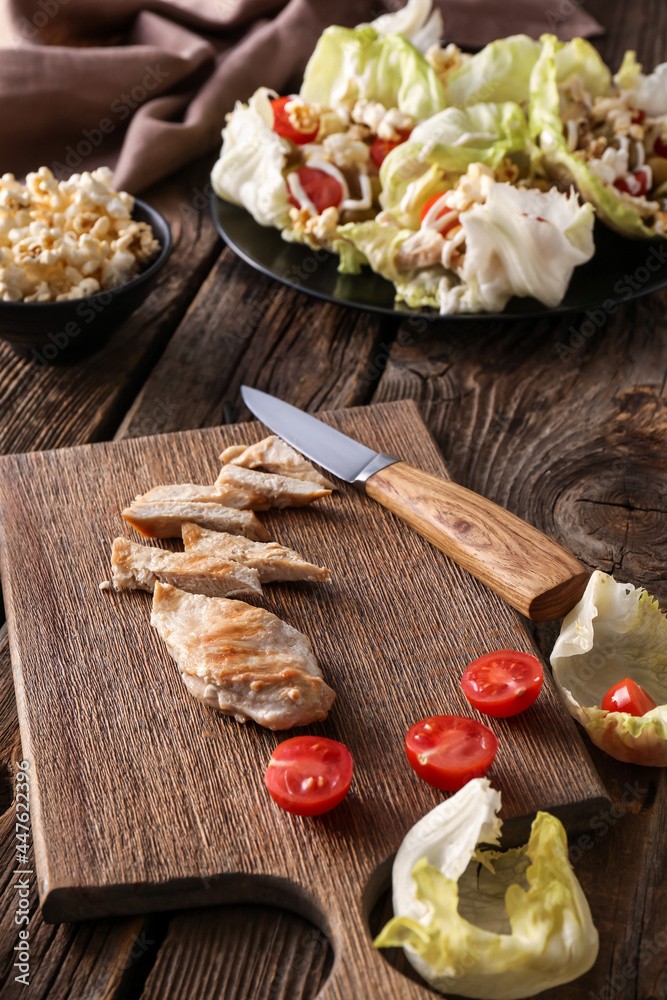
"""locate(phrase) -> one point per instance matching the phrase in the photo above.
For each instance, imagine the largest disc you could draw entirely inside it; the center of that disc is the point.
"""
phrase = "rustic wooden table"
(564, 426)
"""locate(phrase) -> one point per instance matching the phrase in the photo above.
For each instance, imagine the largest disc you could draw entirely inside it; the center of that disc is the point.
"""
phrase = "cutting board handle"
(521, 564)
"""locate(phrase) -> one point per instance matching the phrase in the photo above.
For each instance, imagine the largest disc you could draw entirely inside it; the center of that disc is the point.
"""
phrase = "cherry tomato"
(503, 683)
(660, 147)
(638, 117)
(627, 696)
(454, 221)
(309, 775)
(381, 148)
(323, 190)
(447, 751)
(635, 183)
(284, 127)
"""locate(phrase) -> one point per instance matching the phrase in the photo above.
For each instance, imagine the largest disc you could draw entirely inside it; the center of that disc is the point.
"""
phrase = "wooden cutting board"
(144, 799)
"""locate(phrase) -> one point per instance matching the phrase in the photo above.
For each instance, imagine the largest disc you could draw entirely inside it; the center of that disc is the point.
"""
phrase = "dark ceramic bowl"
(51, 333)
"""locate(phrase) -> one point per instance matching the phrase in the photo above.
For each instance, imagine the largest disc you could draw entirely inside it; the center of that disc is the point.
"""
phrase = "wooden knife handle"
(526, 568)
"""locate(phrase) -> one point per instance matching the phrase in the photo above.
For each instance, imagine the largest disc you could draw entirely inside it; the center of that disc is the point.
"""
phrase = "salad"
(464, 180)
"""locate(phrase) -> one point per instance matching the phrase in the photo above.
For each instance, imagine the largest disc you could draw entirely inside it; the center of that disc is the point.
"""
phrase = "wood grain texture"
(239, 951)
(244, 327)
(523, 566)
(127, 770)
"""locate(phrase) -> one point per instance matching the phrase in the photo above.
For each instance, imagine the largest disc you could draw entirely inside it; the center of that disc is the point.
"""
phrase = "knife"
(522, 565)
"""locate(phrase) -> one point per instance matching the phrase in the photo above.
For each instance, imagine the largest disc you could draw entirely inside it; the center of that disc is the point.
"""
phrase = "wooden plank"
(244, 327)
(116, 688)
(563, 429)
(83, 960)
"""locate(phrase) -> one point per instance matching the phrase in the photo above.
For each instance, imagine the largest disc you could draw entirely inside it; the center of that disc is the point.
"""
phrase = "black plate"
(622, 269)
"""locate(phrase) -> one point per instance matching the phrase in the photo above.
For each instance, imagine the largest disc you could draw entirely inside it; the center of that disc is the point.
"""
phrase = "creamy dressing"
(296, 190)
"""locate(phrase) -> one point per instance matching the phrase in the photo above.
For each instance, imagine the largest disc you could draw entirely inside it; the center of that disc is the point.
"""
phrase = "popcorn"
(343, 151)
(63, 240)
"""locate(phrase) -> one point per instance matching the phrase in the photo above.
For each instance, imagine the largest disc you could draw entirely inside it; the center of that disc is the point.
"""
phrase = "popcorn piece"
(343, 151)
(63, 240)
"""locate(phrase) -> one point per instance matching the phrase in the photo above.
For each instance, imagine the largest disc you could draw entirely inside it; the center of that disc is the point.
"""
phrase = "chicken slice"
(140, 567)
(241, 660)
(246, 488)
(192, 492)
(272, 561)
(165, 518)
(274, 455)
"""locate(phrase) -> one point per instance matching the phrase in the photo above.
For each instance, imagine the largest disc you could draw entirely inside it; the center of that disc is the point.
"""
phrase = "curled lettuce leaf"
(579, 58)
(521, 242)
(483, 923)
(498, 72)
(441, 149)
(616, 210)
(417, 22)
(615, 631)
(249, 171)
(351, 63)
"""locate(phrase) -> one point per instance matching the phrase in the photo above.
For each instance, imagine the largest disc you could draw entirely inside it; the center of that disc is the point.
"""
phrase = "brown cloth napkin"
(144, 86)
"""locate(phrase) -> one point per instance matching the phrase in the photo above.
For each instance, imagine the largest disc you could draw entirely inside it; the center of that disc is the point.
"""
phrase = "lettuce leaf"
(521, 242)
(447, 144)
(562, 166)
(579, 58)
(615, 631)
(417, 22)
(498, 72)
(483, 923)
(351, 63)
(249, 171)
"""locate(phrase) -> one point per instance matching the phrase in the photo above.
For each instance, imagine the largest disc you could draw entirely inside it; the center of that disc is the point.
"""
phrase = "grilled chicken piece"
(241, 660)
(273, 562)
(165, 518)
(421, 249)
(274, 455)
(246, 488)
(140, 567)
(188, 492)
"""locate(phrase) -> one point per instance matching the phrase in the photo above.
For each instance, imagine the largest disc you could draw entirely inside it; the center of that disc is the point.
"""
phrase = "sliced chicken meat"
(272, 561)
(274, 455)
(140, 567)
(249, 489)
(192, 492)
(241, 660)
(165, 518)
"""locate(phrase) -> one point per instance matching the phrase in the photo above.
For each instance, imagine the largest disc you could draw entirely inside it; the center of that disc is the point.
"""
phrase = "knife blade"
(345, 457)
(517, 561)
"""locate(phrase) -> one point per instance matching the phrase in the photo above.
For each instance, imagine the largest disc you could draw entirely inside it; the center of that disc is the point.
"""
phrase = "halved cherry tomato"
(308, 775)
(284, 127)
(447, 751)
(503, 683)
(635, 183)
(381, 148)
(660, 147)
(443, 211)
(323, 190)
(627, 696)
